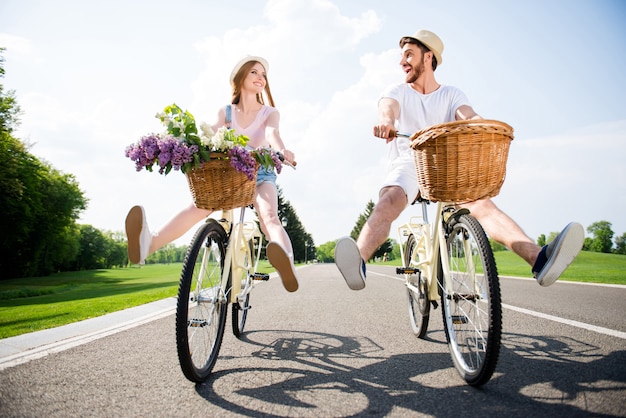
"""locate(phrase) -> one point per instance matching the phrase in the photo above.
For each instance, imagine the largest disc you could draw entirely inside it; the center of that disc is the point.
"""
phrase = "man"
(416, 104)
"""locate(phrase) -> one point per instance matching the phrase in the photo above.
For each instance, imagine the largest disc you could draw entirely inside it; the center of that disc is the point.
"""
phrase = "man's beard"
(415, 73)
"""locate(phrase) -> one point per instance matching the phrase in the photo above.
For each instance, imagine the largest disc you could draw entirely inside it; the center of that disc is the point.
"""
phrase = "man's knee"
(391, 202)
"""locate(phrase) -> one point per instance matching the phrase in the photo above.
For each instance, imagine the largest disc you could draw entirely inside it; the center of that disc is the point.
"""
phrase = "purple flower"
(242, 161)
(169, 152)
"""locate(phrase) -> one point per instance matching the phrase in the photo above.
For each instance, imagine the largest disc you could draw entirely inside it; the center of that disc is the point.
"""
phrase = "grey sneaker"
(138, 235)
(350, 264)
(283, 264)
(555, 257)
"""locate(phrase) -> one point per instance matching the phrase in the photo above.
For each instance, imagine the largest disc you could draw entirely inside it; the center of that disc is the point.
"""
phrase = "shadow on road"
(319, 374)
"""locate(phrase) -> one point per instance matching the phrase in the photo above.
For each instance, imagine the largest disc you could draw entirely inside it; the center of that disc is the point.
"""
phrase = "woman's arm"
(272, 136)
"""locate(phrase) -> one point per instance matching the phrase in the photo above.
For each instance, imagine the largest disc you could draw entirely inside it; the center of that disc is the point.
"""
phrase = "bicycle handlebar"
(282, 158)
(394, 134)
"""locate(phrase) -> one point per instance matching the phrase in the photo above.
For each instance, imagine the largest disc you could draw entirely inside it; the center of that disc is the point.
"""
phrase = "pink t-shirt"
(256, 130)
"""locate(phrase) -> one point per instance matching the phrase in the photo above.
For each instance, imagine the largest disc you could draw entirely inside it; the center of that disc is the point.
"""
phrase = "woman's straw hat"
(249, 58)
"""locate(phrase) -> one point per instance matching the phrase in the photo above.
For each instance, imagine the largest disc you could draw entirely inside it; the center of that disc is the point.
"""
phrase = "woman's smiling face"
(256, 78)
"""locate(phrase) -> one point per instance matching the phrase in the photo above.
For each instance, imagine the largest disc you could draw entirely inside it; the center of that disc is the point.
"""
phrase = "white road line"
(601, 330)
(589, 327)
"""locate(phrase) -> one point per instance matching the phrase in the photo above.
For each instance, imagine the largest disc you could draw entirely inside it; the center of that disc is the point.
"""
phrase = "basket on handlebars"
(462, 161)
(216, 185)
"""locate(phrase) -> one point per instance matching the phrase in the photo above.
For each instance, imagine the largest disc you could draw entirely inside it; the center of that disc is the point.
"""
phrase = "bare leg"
(266, 205)
(501, 228)
(391, 202)
(177, 226)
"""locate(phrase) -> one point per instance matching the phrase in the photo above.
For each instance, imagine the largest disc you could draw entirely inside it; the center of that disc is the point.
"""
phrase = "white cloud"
(15, 44)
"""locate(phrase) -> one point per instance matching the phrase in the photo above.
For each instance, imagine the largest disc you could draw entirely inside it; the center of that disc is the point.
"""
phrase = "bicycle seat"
(419, 198)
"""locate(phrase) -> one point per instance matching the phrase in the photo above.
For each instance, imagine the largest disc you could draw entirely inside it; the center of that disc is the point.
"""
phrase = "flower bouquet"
(220, 170)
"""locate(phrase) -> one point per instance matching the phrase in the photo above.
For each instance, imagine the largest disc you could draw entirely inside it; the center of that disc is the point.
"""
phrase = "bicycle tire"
(418, 303)
(472, 310)
(243, 306)
(202, 303)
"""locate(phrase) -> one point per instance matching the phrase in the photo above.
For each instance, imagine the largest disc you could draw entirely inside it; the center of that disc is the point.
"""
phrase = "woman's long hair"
(238, 83)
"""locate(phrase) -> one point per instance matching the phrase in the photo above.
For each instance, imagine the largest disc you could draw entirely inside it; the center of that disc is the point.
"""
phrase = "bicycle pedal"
(260, 276)
(407, 270)
(459, 319)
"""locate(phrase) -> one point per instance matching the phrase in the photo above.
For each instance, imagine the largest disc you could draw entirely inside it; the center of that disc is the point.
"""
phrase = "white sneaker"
(138, 235)
(283, 264)
(350, 264)
(559, 254)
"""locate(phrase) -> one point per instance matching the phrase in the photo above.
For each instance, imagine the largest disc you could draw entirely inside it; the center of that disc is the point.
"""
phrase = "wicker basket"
(216, 185)
(462, 161)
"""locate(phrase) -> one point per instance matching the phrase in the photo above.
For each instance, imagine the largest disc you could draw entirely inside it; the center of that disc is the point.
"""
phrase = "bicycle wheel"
(419, 306)
(202, 303)
(470, 296)
(242, 306)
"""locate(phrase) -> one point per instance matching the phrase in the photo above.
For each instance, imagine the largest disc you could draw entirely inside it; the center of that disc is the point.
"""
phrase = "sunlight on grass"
(37, 303)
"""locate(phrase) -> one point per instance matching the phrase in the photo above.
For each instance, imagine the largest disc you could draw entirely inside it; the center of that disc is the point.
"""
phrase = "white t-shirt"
(419, 111)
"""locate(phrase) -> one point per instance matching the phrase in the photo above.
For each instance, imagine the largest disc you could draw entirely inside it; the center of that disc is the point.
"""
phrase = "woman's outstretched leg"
(141, 243)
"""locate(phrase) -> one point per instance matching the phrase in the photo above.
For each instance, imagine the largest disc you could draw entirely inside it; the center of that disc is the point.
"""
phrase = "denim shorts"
(265, 174)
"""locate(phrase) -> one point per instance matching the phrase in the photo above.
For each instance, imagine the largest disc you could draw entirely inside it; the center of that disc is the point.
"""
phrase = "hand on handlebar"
(384, 131)
(286, 161)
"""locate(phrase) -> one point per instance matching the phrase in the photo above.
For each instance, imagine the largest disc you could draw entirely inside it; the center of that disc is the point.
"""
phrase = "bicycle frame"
(236, 250)
(429, 245)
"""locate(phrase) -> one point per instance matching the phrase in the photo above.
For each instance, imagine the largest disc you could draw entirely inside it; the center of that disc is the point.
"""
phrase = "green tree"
(386, 247)
(93, 246)
(541, 241)
(301, 241)
(620, 244)
(39, 205)
(326, 252)
(9, 109)
(602, 236)
(117, 251)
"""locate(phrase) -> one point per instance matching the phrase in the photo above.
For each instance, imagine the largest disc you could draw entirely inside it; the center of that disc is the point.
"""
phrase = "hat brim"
(246, 59)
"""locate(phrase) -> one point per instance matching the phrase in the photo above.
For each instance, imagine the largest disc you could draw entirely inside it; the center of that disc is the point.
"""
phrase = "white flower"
(206, 129)
(217, 141)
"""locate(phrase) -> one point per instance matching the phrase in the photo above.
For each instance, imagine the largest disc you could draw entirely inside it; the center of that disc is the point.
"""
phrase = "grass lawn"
(37, 303)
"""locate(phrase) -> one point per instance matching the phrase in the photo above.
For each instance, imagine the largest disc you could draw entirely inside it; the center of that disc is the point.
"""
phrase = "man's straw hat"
(429, 39)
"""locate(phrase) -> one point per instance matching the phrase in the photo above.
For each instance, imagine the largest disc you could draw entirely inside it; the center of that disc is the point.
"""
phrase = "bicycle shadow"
(330, 375)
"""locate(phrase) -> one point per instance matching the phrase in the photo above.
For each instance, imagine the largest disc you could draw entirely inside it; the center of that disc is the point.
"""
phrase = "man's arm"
(388, 112)
(465, 112)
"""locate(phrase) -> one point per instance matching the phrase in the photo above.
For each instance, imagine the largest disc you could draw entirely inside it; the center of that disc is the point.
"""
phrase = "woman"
(251, 117)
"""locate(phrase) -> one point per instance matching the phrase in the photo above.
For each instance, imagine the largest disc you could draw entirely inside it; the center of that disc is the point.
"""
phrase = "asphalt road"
(328, 351)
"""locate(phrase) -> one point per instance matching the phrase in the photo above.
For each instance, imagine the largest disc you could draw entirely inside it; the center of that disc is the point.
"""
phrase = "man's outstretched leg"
(350, 256)
(548, 262)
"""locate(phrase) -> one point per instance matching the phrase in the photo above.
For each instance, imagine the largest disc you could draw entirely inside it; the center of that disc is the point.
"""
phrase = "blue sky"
(90, 77)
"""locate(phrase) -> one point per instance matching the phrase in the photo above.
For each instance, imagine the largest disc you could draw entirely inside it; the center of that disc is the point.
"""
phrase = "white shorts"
(402, 173)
